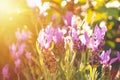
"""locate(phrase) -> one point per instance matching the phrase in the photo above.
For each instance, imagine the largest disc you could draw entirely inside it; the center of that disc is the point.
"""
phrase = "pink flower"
(97, 37)
(28, 55)
(45, 37)
(105, 57)
(74, 38)
(117, 58)
(74, 22)
(43, 42)
(118, 55)
(49, 31)
(17, 63)
(5, 71)
(22, 35)
(85, 40)
(58, 35)
(68, 18)
(18, 68)
(17, 50)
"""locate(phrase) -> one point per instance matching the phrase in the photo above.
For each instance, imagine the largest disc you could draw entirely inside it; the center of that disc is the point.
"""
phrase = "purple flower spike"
(28, 55)
(49, 31)
(58, 35)
(67, 19)
(85, 39)
(74, 37)
(22, 35)
(5, 72)
(17, 63)
(41, 38)
(21, 48)
(74, 22)
(97, 37)
(105, 57)
(103, 31)
(118, 55)
(115, 59)
(45, 37)
(17, 50)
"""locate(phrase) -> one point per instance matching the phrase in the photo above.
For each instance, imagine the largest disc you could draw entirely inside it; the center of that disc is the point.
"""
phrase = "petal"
(67, 19)
(113, 60)
(118, 55)
(5, 70)
(87, 38)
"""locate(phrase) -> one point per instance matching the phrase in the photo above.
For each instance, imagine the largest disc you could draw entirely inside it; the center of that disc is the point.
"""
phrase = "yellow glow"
(13, 14)
(10, 9)
(5, 6)
(11, 6)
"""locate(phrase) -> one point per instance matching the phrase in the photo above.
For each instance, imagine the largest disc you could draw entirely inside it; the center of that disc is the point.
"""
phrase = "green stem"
(32, 72)
(73, 58)
(43, 67)
(93, 75)
(70, 70)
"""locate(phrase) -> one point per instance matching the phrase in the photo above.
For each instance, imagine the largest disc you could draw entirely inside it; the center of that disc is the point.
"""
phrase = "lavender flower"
(67, 19)
(45, 37)
(74, 22)
(73, 34)
(17, 63)
(105, 57)
(22, 35)
(49, 32)
(17, 50)
(115, 59)
(118, 55)
(97, 37)
(49, 60)
(5, 72)
(28, 55)
(58, 35)
(58, 38)
(41, 38)
(85, 40)
(75, 38)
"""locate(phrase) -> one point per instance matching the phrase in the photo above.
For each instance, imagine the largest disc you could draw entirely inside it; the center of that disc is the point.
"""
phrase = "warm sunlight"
(11, 12)
(7, 6)
(11, 6)
(59, 40)
(12, 15)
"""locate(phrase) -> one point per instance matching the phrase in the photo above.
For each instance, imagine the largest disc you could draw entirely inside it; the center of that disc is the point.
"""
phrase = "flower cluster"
(57, 40)
(69, 50)
(17, 50)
